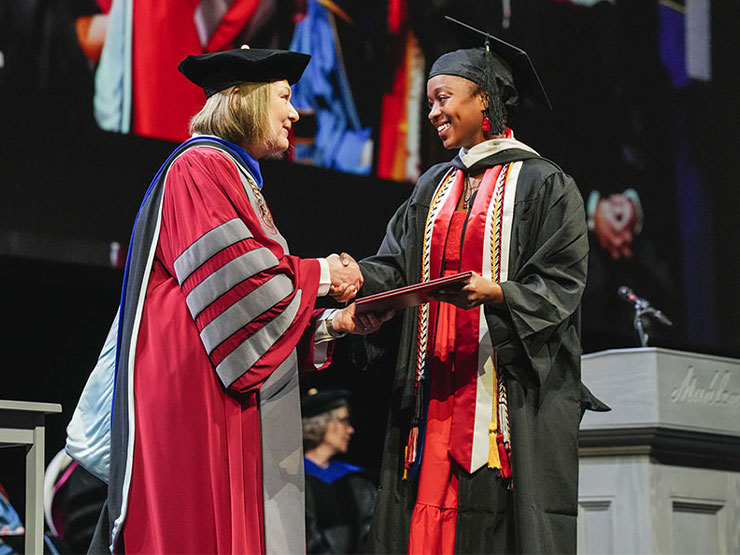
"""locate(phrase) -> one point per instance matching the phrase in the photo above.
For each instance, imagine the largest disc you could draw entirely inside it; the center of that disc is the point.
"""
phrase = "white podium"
(660, 473)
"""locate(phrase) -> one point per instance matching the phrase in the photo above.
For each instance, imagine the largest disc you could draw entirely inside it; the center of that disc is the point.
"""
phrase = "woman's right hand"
(346, 277)
(347, 321)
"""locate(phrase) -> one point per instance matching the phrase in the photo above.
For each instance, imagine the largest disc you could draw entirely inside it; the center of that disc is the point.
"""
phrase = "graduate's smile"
(442, 128)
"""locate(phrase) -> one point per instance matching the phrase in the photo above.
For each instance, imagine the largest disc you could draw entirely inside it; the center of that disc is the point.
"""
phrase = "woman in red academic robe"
(216, 318)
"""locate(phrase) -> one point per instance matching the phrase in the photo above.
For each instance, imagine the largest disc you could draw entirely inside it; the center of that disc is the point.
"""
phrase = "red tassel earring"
(486, 125)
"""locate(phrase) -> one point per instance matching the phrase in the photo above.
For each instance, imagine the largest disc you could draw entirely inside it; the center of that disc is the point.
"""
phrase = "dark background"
(69, 190)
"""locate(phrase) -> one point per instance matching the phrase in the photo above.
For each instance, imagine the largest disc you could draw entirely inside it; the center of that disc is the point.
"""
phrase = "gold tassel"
(405, 468)
(494, 461)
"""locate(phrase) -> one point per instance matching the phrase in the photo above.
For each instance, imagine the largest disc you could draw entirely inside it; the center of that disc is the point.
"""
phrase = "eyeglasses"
(344, 420)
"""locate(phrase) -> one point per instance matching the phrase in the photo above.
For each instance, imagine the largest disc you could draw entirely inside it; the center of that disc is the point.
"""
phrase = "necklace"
(265, 214)
(471, 187)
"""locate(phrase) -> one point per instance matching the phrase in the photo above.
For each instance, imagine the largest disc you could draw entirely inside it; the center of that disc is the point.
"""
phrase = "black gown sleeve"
(542, 298)
(383, 271)
(386, 270)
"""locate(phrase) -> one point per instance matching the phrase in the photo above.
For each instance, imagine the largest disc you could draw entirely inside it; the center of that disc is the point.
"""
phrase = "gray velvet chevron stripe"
(250, 351)
(229, 275)
(244, 311)
(209, 244)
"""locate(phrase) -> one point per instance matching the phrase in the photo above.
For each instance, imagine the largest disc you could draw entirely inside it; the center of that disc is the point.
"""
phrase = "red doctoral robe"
(216, 461)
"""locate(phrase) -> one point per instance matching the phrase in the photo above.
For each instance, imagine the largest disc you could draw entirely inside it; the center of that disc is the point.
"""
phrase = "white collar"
(469, 156)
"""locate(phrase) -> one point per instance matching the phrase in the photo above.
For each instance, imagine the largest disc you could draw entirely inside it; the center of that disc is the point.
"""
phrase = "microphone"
(628, 295)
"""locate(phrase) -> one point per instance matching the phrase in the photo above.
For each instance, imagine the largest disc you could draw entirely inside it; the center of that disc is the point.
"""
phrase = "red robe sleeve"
(312, 357)
(250, 301)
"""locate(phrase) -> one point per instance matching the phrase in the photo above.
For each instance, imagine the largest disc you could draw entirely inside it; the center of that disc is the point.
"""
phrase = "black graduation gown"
(536, 333)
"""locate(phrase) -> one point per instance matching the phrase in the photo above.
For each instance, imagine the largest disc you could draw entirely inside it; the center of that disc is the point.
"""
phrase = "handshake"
(346, 277)
(346, 280)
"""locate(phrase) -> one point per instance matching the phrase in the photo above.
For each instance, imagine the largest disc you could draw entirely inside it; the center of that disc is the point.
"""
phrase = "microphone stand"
(640, 311)
(643, 308)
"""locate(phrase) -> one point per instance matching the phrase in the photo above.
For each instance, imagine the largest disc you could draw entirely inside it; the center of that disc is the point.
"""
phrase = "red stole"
(480, 420)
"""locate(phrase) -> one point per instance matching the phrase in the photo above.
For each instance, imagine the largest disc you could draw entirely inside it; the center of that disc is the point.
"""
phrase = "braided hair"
(495, 108)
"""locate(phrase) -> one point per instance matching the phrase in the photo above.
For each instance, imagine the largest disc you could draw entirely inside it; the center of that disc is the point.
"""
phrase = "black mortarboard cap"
(481, 67)
(526, 80)
(318, 401)
(217, 71)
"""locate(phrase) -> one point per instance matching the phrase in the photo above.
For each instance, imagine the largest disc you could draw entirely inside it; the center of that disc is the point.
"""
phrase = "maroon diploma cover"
(411, 295)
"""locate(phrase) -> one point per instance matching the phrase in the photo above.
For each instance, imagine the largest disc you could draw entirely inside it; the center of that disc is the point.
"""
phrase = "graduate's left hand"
(475, 292)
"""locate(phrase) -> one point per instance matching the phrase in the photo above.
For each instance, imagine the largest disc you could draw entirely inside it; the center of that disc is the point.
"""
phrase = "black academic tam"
(217, 71)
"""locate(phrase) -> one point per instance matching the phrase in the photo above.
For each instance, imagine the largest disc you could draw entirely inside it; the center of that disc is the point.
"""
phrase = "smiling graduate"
(481, 452)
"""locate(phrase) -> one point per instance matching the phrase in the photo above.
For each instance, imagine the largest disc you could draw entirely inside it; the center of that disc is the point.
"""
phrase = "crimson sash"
(480, 418)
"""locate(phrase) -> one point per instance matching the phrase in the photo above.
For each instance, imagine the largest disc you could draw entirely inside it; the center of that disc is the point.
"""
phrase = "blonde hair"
(238, 114)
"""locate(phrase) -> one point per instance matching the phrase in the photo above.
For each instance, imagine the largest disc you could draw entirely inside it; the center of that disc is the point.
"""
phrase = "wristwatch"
(330, 327)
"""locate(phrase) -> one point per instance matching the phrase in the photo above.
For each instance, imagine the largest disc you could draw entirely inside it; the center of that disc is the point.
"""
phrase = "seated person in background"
(11, 527)
(340, 498)
(13, 533)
